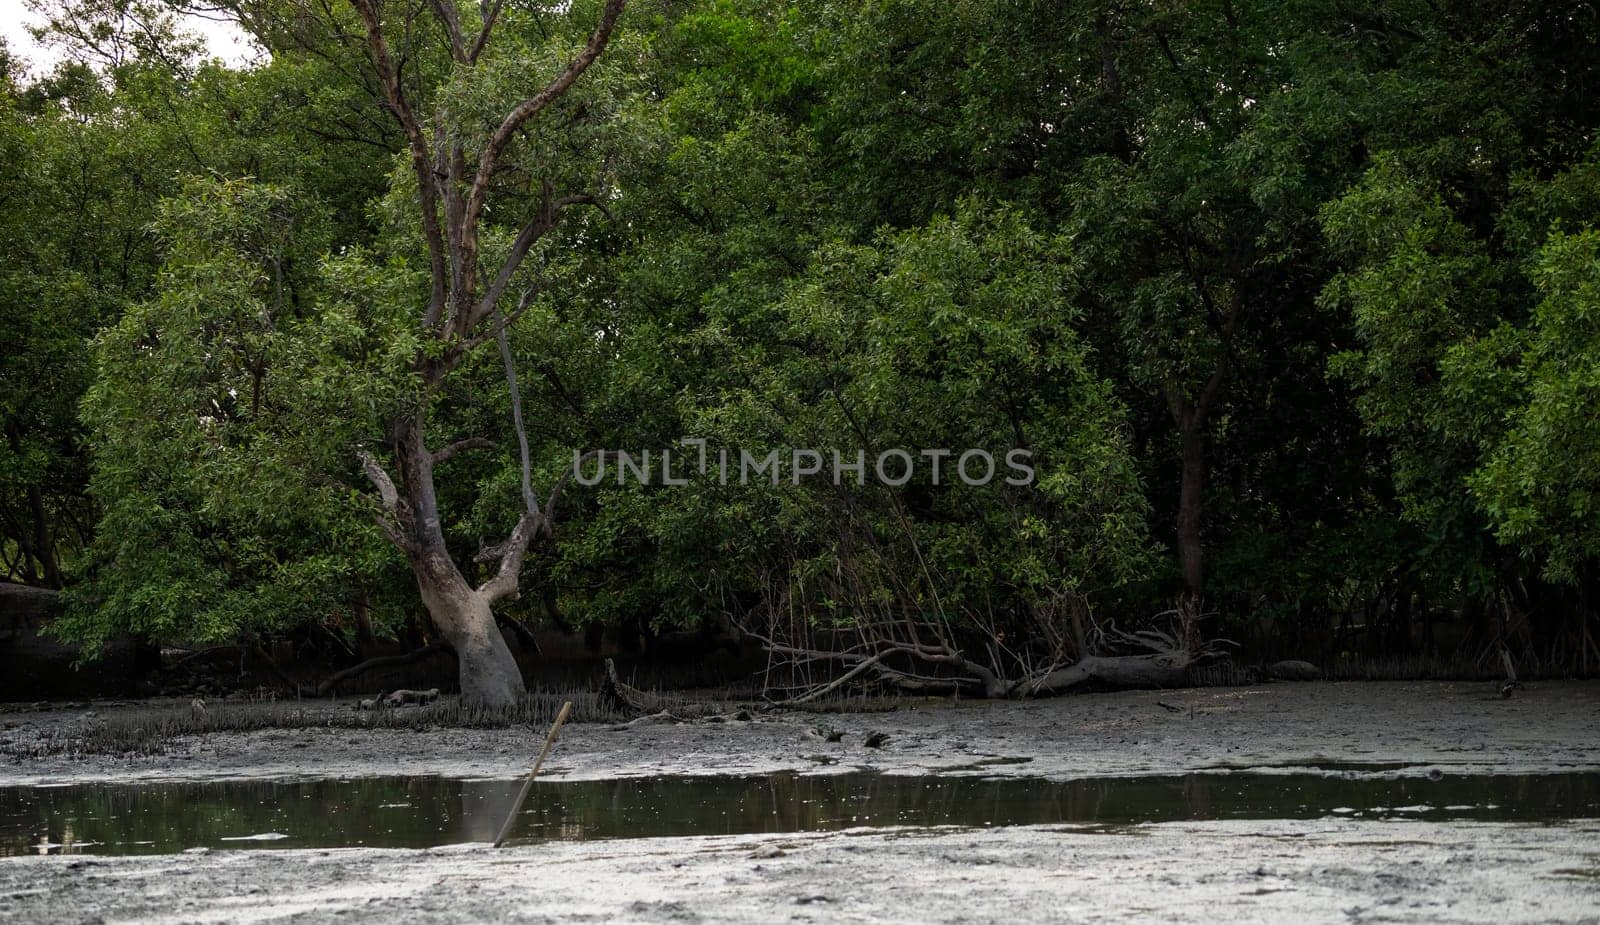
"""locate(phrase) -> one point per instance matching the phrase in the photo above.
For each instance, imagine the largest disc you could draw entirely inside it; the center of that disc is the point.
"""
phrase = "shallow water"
(420, 812)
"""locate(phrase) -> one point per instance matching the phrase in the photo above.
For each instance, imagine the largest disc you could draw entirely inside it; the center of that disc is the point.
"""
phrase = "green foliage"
(1341, 262)
(1419, 285)
(214, 449)
(956, 336)
(1538, 482)
(1465, 255)
(960, 335)
(78, 173)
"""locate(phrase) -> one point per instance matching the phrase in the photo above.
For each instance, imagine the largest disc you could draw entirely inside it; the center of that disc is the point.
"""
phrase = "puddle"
(421, 812)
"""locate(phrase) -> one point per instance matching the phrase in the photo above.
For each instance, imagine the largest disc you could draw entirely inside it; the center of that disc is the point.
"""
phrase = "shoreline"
(1461, 727)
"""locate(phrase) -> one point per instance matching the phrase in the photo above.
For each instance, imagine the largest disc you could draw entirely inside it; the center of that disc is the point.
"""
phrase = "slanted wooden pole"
(527, 785)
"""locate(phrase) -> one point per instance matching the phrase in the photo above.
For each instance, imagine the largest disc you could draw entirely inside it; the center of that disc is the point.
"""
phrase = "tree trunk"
(44, 543)
(40, 545)
(490, 676)
(1191, 492)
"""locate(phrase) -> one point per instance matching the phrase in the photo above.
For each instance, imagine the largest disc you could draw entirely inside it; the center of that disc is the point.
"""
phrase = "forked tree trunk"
(489, 674)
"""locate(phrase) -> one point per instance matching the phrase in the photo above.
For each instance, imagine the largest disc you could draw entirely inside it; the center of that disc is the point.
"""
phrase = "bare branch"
(503, 322)
(530, 502)
(824, 690)
(511, 553)
(395, 517)
(491, 15)
(504, 582)
(488, 554)
(381, 481)
(979, 676)
(461, 446)
(382, 661)
(544, 218)
(586, 199)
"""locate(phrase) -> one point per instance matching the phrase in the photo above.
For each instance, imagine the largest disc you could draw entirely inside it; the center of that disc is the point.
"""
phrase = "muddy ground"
(1331, 869)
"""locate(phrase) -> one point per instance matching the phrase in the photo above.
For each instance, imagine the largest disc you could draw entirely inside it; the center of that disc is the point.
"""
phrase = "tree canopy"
(1293, 307)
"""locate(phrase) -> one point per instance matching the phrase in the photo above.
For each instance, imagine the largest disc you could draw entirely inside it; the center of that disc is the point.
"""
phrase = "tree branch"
(504, 582)
(511, 553)
(446, 11)
(981, 677)
(544, 218)
(396, 514)
(461, 446)
(586, 199)
(491, 14)
(501, 323)
(530, 502)
(380, 480)
(559, 486)
(421, 157)
(515, 119)
(382, 661)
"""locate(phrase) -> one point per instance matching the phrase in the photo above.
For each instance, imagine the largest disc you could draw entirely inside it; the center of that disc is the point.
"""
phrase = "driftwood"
(1161, 668)
(1156, 670)
(199, 654)
(404, 697)
(664, 718)
(615, 695)
(382, 661)
(1121, 671)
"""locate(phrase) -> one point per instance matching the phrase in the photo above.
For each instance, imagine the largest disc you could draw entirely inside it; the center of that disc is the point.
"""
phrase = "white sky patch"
(224, 40)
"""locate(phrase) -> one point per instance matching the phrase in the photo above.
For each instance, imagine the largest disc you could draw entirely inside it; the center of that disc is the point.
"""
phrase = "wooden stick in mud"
(527, 785)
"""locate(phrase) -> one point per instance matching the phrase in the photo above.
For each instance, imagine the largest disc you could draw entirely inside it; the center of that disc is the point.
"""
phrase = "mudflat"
(1330, 868)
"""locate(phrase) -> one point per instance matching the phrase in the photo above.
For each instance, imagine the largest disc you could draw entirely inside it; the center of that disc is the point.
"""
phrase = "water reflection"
(417, 812)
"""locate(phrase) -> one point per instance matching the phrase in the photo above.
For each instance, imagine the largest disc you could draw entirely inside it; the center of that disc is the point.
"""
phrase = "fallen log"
(1119, 671)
